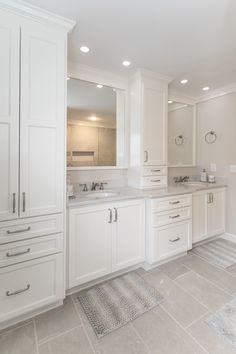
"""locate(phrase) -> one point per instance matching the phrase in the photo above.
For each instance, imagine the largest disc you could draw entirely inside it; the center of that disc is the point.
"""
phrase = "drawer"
(26, 228)
(20, 251)
(154, 181)
(170, 217)
(30, 285)
(154, 171)
(172, 240)
(162, 204)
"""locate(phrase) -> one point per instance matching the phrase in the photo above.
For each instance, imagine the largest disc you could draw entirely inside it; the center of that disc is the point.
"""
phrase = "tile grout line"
(55, 336)
(198, 319)
(36, 336)
(82, 325)
(189, 334)
(142, 340)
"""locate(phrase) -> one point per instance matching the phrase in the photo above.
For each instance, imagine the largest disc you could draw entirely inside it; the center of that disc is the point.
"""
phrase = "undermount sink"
(98, 195)
(195, 184)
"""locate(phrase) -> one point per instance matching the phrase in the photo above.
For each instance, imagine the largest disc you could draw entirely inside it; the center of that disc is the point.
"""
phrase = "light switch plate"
(232, 168)
(213, 167)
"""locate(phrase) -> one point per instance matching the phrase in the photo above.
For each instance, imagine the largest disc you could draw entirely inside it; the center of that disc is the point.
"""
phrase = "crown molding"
(153, 75)
(222, 91)
(181, 97)
(27, 10)
(92, 74)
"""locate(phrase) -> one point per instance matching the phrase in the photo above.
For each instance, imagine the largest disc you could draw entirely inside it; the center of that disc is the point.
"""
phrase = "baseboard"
(229, 237)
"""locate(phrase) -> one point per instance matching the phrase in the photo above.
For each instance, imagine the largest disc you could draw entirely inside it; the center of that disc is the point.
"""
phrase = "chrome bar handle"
(18, 253)
(18, 231)
(116, 215)
(174, 216)
(13, 203)
(175, 240)
(173, 203)
(155, 180)
(155, 170)
(24, 202)
(212, 197)
(8, 293)
(110, 218)
(146, 156)
(208, 198)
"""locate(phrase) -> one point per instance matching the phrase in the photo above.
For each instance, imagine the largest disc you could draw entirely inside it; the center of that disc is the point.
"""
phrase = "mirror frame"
(176, 97)
(93, 75)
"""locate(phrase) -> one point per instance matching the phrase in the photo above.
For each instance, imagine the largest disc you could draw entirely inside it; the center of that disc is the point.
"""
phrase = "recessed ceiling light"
(184, 81)
(93, 118)
(206, 88)
(170, 101)
(126, 63)
(68, 78)
(100, 86)
(84, 49)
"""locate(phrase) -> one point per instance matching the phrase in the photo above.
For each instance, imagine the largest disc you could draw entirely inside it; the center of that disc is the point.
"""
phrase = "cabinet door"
(9, 116)
(42, 157)
(216, 212)
(89, 244)
(128, 239)
(199, 216)
(154, 123)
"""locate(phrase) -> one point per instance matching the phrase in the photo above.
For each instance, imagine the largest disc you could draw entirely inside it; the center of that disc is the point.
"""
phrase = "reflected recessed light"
(100, 86)
(93, 118)
(206, 88)
(68, 78)
(184, 81)
(170, 101)
(84, 49)
(126, 63)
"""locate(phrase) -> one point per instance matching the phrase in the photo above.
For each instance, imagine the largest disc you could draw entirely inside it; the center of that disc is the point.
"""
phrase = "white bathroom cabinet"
(104, 238)
(148, 130)
(208, 214)
(32, 160)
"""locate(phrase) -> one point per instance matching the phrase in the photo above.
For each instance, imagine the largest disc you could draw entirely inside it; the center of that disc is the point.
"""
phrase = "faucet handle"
(102, 185)
(84, 185)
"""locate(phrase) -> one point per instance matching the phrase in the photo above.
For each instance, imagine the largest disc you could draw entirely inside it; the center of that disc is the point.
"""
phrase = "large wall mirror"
(181, 134)
(95, 125)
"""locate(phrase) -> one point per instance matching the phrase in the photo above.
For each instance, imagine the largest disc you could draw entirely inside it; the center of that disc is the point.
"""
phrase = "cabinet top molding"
(32, 12)
(152, 75)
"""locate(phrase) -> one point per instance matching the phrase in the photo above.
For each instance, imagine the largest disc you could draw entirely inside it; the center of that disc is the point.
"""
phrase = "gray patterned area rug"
(220, 252)
(224, 321)
(113, 304)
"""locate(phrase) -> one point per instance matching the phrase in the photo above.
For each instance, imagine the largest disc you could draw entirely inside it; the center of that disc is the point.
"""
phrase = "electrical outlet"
(232, 168)
(213, 167)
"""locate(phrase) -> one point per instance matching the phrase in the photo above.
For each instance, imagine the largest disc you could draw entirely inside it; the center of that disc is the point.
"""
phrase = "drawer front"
(21, 229)
(172, 240)
(15, 252)
(160, 219)
(179, 201)
(154, 171)
(154, 181)
(30, 285)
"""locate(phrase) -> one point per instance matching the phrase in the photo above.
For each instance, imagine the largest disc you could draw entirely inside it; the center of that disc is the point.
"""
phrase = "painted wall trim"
(222, 91)
(92, 74)
(32, 12)
(229, 237)
(177, 96)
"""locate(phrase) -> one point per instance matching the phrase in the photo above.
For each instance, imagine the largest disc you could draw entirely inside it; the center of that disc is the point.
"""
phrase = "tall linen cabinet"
(32, 158)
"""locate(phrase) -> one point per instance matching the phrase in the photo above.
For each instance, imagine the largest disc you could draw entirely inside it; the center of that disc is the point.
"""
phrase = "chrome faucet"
(181, 179)
(94, 186)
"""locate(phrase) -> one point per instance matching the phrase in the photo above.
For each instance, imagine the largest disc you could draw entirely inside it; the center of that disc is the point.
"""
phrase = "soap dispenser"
(203, 177)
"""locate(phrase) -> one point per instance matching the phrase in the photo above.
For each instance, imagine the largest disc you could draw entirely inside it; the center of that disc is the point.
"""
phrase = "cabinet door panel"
(9, 116)
(89, 244)
(42, 121)
(216, 213)
(154, 124)
(128, 246)
(199, 216)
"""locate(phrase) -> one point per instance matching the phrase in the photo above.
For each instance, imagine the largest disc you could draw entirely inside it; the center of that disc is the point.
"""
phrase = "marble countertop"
(127, 193)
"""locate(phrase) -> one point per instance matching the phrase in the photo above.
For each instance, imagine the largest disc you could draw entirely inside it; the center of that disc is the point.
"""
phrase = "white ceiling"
(192, 39)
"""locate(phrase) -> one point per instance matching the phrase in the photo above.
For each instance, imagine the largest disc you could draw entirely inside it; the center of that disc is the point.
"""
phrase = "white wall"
(219, 114)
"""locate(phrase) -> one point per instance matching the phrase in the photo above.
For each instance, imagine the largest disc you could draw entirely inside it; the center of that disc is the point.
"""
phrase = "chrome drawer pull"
(8, 293)
(175, 240)
(155, 180)
(146, 156)
(155, 170)
(18, 231)
(174, 216)
(24, 202)
(116, 215)
(173, 203)
(14, 203)
(18, 253)
(110, 217)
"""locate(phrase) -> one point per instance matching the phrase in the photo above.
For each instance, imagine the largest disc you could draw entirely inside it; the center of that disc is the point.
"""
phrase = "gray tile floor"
(192, 290)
